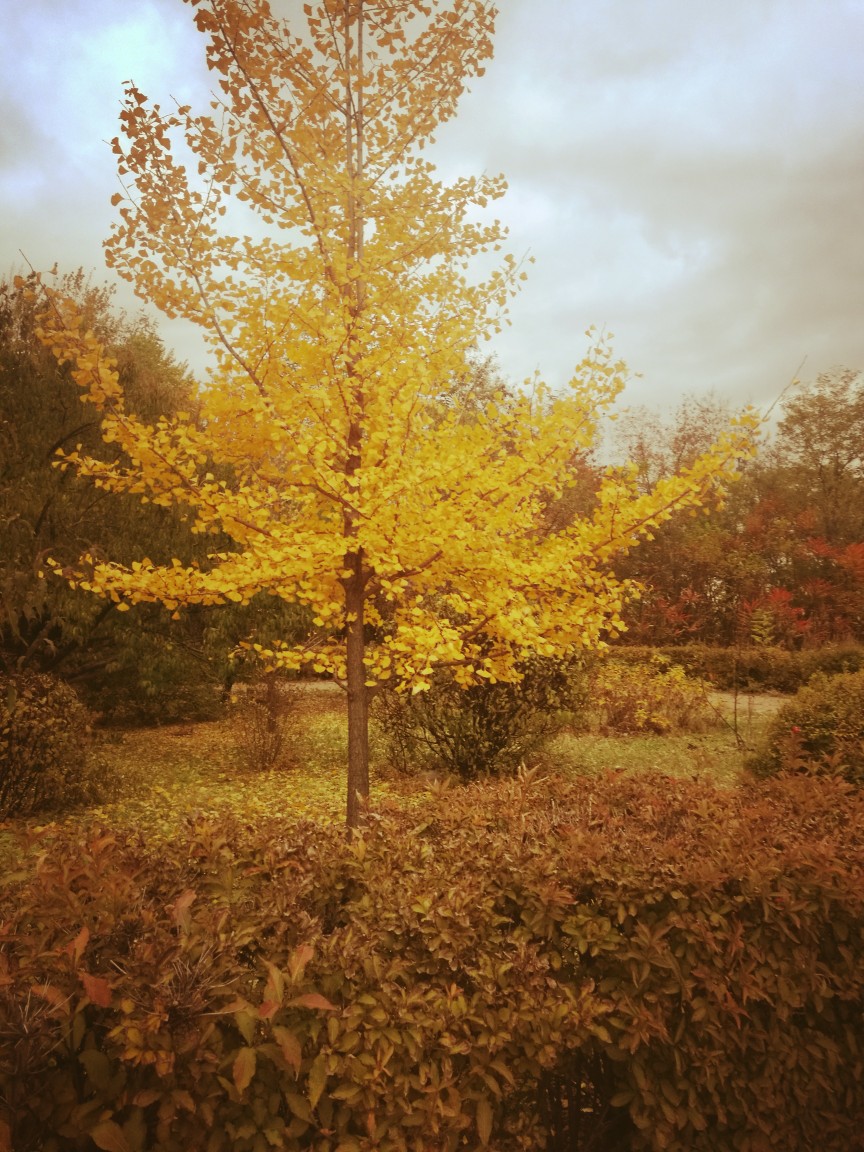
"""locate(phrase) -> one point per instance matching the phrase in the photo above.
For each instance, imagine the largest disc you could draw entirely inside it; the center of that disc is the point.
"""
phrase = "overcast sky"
(688, 174)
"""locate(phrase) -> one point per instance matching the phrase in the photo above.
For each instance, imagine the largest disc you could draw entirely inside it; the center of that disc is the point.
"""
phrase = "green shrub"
(831, 661)
(487, 729)
(650, 697)
(44, 746)
(755, 669)
(633, 963)
(820, 730)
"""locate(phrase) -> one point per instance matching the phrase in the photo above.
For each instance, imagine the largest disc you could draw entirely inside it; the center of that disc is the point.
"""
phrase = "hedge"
(756, 669)
(619, 963)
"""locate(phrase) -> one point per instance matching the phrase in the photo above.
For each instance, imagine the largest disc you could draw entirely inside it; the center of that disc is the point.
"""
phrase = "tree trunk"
(355, 585)
(358, 699)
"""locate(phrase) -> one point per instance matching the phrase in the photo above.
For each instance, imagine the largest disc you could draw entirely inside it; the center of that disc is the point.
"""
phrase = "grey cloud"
(686, 172)
(690, 175)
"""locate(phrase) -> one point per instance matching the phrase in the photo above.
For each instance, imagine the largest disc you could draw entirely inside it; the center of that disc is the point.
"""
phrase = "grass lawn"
(717, 753)
(164, 776)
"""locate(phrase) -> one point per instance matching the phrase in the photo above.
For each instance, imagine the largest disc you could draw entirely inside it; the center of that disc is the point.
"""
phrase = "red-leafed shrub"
(620, 963)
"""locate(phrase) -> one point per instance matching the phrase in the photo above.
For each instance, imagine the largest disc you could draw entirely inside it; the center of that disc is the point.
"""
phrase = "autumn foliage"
(781, 564)
(645, 963)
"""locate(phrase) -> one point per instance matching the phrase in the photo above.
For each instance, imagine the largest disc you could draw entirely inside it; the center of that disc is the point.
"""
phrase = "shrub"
(650, 697)
(263, 721)
(832, 660)
(487, 729)
(821, 730)
(755, 669)
(44, 746)
(633, 963)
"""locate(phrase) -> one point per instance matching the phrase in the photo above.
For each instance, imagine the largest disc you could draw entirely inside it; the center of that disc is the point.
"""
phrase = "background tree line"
(139, 665)
(782, 562)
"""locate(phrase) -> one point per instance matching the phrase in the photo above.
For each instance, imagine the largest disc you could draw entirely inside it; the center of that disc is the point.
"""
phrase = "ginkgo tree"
(329, 453)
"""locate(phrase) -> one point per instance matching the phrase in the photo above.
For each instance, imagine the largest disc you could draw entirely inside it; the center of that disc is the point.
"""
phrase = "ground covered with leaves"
(160, 778)
(164, 777)
(717, 752)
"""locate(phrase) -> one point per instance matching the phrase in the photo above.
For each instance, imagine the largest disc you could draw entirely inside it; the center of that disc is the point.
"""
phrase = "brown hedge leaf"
(290, 1046)
(109, 1137)
(317, 1078)
(244, 1068)
(97, 989)
(484, 1120)
(75, 948)
(180, 909)
(313, 1000)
